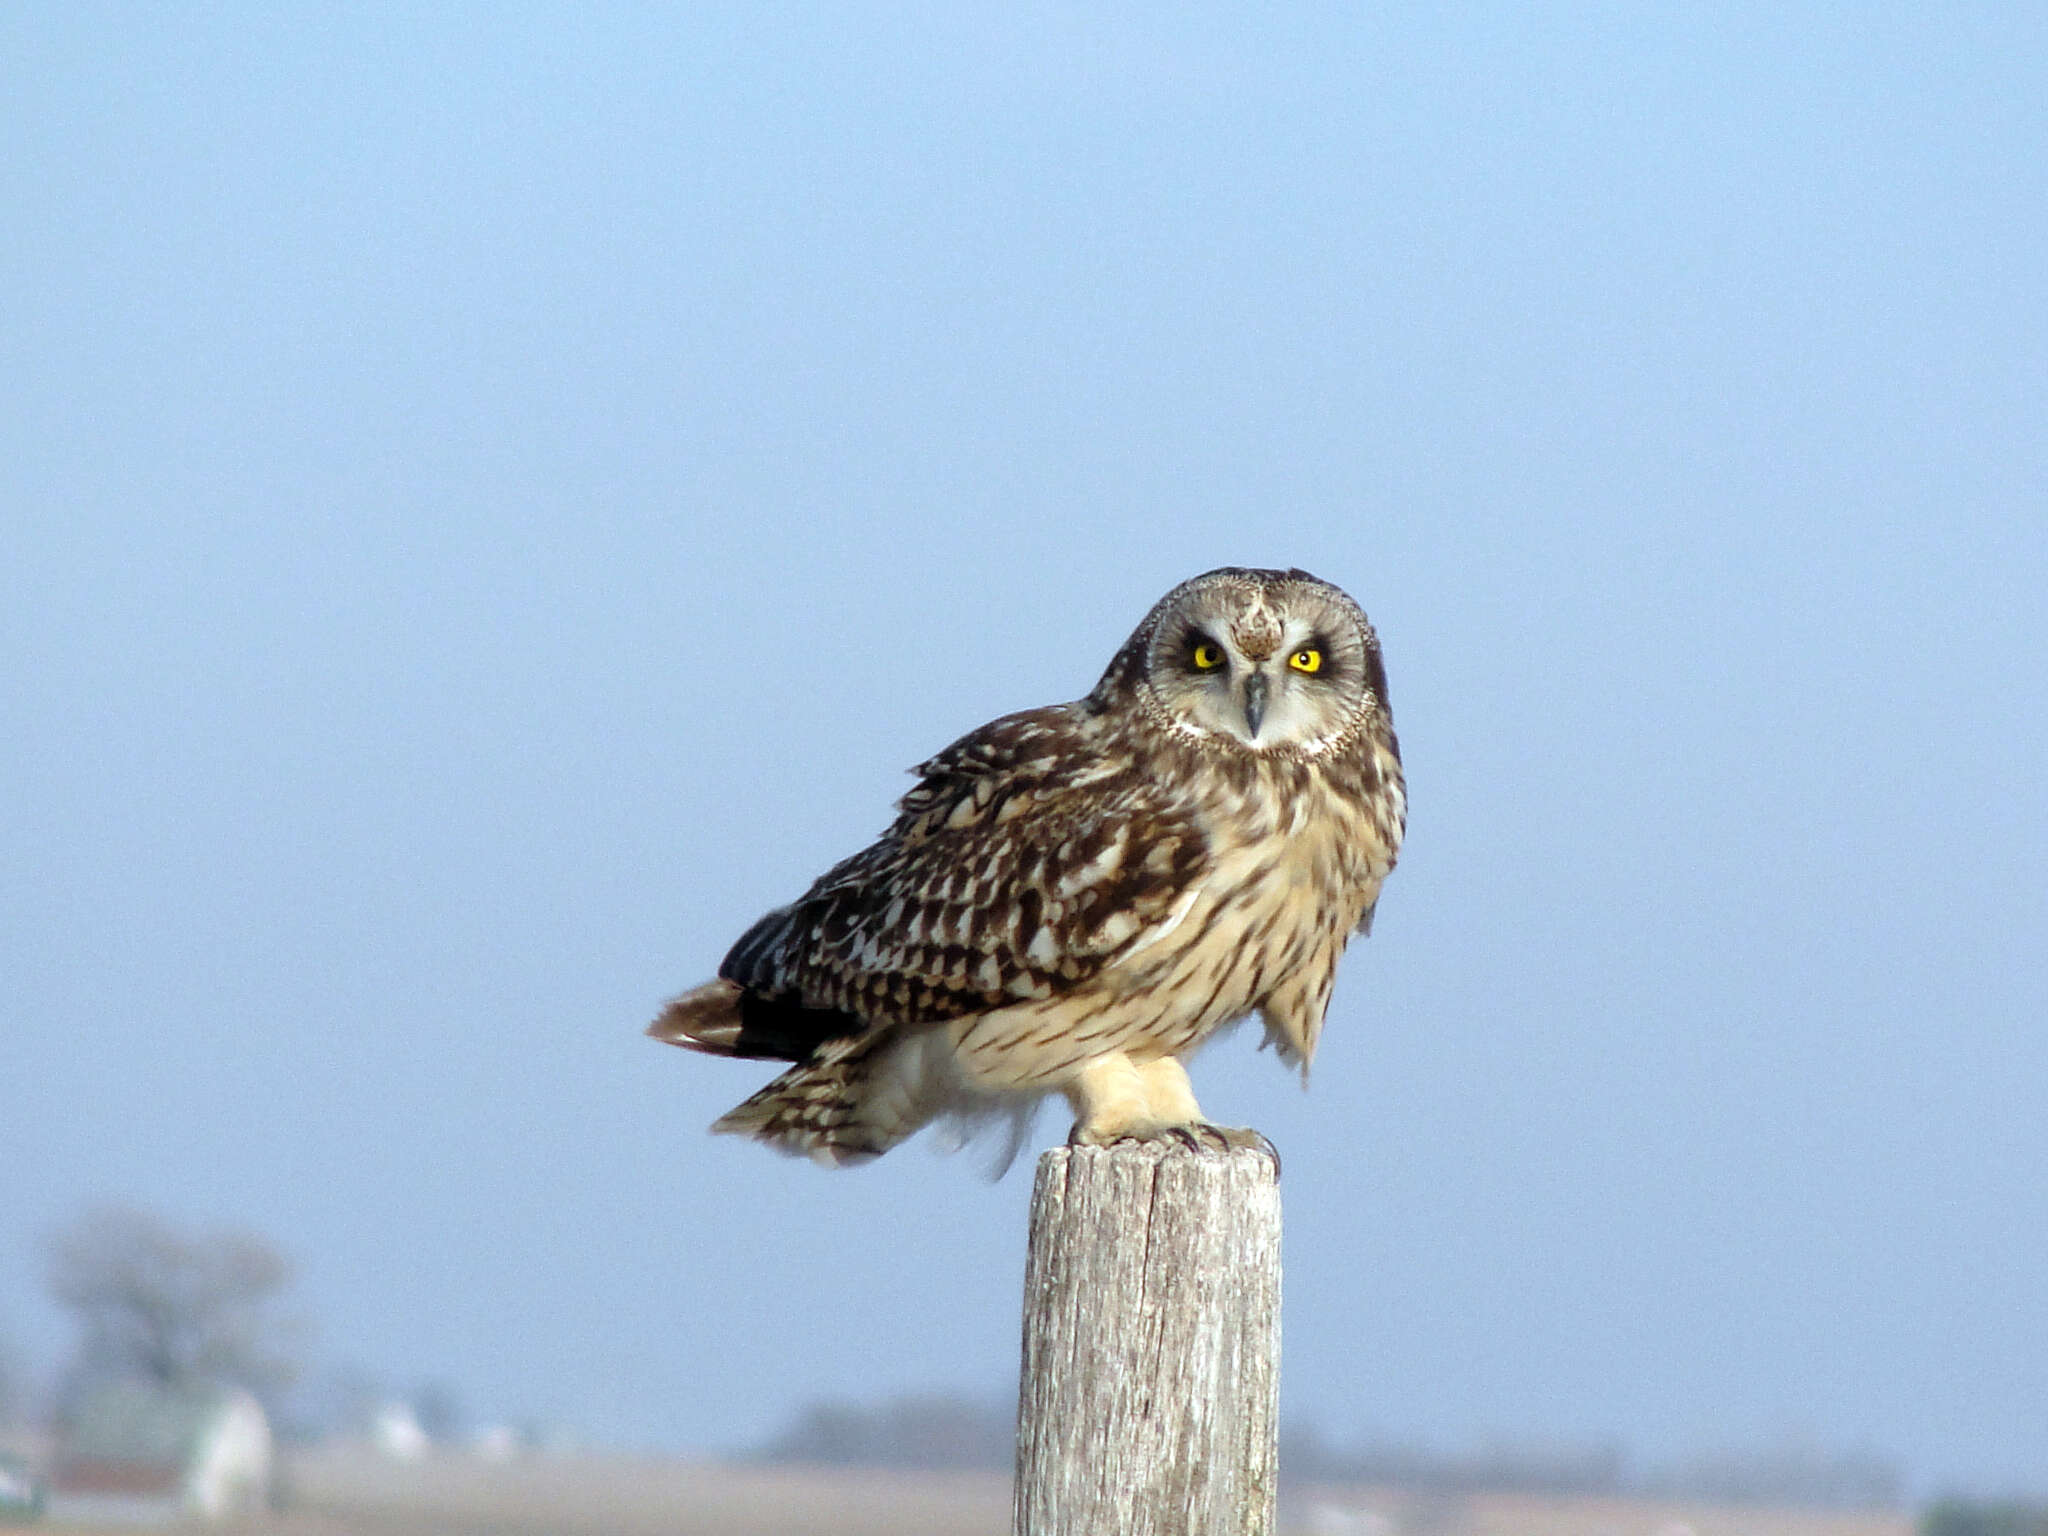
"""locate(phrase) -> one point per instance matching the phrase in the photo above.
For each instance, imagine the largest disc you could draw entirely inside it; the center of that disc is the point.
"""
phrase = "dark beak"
(1255, 702)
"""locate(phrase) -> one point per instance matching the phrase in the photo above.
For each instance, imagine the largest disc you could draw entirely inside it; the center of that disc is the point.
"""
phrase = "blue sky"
(494, 497)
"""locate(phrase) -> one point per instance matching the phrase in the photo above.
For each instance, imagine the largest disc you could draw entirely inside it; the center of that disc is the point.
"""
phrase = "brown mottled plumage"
(1073, 898)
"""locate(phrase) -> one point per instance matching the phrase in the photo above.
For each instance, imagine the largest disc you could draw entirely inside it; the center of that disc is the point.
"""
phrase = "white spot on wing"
(1115, 928)
(1096, 869)
(1172, 921)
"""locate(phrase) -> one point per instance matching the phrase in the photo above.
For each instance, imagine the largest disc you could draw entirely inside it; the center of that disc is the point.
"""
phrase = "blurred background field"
(158, 1421)
(357, 1491)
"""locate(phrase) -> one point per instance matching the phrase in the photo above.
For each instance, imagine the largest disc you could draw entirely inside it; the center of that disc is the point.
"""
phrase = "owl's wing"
(1026, 859)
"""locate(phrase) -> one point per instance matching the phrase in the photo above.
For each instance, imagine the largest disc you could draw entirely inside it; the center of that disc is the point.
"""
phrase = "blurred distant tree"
(337, 1401)
(175, 1307)
(1962, 1517)
(1795, 1473)
(10, 1384)
(929, 1432)
(1525, 1466)
(439, 1412)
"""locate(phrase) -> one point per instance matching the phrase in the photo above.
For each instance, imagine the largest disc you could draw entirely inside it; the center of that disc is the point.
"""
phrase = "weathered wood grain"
(1150, 1393)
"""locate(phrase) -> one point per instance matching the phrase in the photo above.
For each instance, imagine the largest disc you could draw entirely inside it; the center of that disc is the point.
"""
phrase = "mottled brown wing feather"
(1026, 858)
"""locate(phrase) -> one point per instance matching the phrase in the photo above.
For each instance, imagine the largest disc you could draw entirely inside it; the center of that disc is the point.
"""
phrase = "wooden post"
(1149, 1404)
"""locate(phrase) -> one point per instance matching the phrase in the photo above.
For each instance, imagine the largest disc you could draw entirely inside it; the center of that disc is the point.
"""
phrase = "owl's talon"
(1230, 1138)
(1182, 1134)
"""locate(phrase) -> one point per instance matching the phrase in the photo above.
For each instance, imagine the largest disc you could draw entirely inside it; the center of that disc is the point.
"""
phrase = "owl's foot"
(1201, 1136)
(1236, 1138)
(1120, 1100)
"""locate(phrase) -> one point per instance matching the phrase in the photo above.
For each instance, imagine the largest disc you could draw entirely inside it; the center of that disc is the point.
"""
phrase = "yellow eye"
(1207, 657)
(1307, 659)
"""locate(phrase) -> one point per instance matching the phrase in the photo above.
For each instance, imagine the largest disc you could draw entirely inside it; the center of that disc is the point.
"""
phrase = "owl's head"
(1268, 662)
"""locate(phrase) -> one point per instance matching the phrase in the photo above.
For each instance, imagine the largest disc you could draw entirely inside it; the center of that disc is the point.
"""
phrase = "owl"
(1072, 899)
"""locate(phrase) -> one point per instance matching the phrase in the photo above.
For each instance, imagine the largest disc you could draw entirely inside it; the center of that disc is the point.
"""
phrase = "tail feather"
(706, 1018)
(849, 1098)
(848, 1103)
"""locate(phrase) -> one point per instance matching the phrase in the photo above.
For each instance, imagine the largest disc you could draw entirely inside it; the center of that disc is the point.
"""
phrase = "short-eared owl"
(1073, 898)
